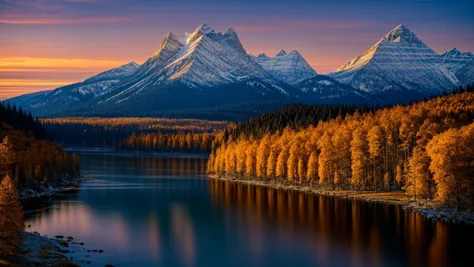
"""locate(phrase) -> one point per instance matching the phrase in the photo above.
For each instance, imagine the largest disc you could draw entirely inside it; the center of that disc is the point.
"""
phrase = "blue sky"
(98, 34)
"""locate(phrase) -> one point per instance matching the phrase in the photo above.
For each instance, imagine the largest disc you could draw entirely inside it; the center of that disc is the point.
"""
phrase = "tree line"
(168, 142)
(117, 132)
(425, 149)
(21, 120)
(31, 161)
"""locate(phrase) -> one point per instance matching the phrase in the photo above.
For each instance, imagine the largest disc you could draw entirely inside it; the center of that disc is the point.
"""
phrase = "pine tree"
(11, 218)
(6, 156)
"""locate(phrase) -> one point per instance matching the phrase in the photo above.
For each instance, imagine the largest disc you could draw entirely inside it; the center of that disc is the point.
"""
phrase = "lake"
(161, 210)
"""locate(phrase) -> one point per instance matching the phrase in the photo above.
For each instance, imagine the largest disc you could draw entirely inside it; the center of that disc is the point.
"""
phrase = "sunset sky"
(48, 43)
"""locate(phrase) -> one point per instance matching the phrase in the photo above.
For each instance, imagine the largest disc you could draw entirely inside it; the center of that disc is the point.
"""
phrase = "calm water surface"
(146, 210)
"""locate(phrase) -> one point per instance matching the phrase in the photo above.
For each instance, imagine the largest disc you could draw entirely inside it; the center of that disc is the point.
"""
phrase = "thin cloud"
(28, 20)
(78, 63)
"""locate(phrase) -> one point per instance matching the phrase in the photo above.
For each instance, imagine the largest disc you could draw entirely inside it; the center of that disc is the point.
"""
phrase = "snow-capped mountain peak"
(115, 73)
(231, 37)
(398, 62)
(402, 34)
(200, 31)
(291, 68)
(454, 59)
(281, 53)
(205, 59)
(170, 43)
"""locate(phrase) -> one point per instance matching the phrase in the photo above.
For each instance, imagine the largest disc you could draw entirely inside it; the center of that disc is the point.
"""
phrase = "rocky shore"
(423, 207)
(40, 250)
(68, 185)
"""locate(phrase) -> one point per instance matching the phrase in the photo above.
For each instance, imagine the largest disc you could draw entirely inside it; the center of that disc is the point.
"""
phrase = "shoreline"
(425, 208)
(71, 185)
(41, 250)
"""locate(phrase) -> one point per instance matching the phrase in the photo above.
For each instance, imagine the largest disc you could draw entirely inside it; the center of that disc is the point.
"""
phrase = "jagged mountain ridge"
(208, 69)
(201, 70)
(202, 60)
(455, 59)
(291, 67)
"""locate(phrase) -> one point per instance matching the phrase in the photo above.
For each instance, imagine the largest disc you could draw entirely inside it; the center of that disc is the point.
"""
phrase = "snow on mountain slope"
(398, 62)
(291, 68)
(205, 58)
(455, 59)
(323, 89)
(62, 98)
(465, 74)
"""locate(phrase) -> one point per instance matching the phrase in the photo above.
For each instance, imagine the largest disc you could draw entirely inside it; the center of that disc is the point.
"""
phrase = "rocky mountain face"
(291, 67)
(63, 98)
(455, 59)
(322, 89)
(465, 74)
(398, 63)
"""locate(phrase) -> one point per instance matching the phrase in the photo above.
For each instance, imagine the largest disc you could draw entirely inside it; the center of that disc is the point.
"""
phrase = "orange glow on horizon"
(81, 68)
(80, 63)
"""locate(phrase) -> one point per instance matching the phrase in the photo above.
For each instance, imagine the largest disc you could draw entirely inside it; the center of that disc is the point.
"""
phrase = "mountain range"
(208, 70)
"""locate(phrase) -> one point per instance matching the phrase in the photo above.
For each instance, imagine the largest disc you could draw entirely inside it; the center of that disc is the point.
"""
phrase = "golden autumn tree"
(324, 161)
(11, 218)
(6, 156)
(240, 155)
(280, 168)
(271, 163)
(312, 173)
(376, 145)
(292, 163)
(263, 152)
(250, 159)
(398, 175)
(342, 155)
(452, 164)
(418, 174)
(230, 162)
(359, 158)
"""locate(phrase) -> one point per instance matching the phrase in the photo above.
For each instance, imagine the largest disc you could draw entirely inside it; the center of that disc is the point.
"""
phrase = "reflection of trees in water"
(151, 166)
(365, 230)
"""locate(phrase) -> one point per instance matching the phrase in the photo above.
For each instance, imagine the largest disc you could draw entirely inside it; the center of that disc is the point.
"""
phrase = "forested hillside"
(27, 154)
(168, 142)
(425, 149)
(293, 116)
(125, 133)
